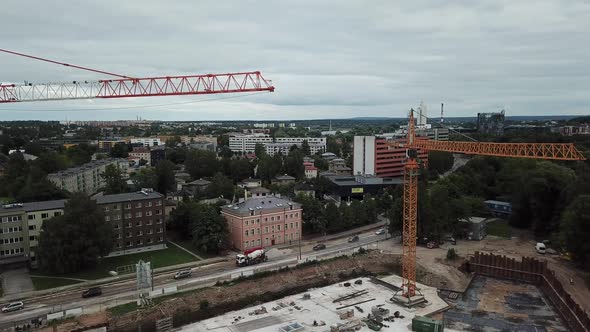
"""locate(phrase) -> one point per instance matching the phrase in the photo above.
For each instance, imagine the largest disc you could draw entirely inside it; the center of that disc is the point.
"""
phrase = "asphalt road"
(115, 293)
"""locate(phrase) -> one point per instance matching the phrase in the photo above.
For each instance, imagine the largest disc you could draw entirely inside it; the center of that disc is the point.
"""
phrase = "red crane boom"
(137, 87)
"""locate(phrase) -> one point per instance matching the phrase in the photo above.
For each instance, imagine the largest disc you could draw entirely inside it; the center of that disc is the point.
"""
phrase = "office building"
(157, 153)
(137, 219)
(86, 178)
(146, 141)
(247, 143)
(258, 222)
(374, 156)
(347, 187)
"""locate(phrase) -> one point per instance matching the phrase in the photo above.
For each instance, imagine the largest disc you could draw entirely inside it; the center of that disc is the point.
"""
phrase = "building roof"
(359, 180)
(491, 201)
(250, 180)
(284, 177)
(200, 182)
(310, 168)
(90, 165)
(260, 204)
(259, 190)
(135, 196)
(474, 220)
(34, 206)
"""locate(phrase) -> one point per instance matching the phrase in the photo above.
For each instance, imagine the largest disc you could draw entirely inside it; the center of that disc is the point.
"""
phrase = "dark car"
(319, 246)
(90, 292)
(353, 238)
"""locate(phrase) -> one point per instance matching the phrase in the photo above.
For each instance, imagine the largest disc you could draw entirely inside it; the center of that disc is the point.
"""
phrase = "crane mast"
(409, 294)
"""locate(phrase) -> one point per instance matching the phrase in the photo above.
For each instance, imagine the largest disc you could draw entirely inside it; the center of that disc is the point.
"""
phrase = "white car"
(14, 306)
(540, 247)
(380, 231)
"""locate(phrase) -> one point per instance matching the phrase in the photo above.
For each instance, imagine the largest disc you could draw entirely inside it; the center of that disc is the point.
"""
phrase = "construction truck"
(251, 257)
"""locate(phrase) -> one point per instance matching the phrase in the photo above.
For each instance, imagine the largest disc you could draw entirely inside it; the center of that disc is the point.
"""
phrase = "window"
(138, 223)
(117, 217)
(160, 230)
(139, 233)
(158, 203)
(56, 213)
(257, 230)
(273, 228)
(278, 217)
(129, 234)
(150, 231)
(272, 218)
(138, 204)
(296, 214)
(127, 215)
(31, 217)
(149, 240)
(107, 218)
(279, 227)
(44, 215)
(246, 232)
(266, 229)
(119, 236)
(159, 220)
(149, 222)
(158, 212)
(106, 209)
(118, 246)
(291, 225)
(148, 213)
(115, 207)
(291, 216)
(160, 239)
(148, 204)
(246, 223)
(128, 243)
(128, 206)
(138, 214)
(31, 238)
(129, 225)
(138, 242)
(246, 244)
(32, 227)
(265, 219)
(258, 221)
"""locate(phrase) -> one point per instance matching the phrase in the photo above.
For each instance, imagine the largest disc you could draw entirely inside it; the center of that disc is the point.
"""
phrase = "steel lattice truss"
(551, 151)
(137, 87)
(410, 217)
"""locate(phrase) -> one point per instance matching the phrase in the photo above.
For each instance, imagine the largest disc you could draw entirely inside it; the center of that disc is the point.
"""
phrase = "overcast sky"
(327, 59)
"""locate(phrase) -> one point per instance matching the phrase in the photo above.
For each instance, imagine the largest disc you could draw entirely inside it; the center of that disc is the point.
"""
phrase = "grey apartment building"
(86, 178)
(138, 221)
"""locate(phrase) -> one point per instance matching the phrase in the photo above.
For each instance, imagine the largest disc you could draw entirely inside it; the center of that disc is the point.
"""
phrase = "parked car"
(540, 247)
(432, 245)
(380, 231)
(451, 239)
(353, 238)
(14, 306)
(319, 246)
(90, 292)
(183, 274)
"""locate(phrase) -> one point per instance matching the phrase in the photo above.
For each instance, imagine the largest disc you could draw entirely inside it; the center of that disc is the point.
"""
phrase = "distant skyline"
(329, 59)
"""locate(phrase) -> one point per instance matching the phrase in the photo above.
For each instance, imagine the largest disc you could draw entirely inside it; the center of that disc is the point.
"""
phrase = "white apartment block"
(147, 141)
(86, 178)
(247, 143)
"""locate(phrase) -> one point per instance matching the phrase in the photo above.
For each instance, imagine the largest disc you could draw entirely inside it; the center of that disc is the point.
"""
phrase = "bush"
(452, 254)
(204, 305)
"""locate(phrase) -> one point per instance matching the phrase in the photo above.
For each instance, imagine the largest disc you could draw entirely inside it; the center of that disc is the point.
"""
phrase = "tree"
(75, 240)
(120, 150)
(165, 176)
(80, 154)
(240, 169)
(173, 141)
(575, 230)
(294, 164)
(51, 162)
(331, 218)
(305, 148)
(312, 213)
(439, 162)
(200, 164)
(113, 176)
(202, 223)
(146, 178)
(259, 150)
(220, 186)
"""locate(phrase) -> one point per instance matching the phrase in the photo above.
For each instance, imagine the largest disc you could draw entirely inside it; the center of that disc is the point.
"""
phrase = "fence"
(533, 271)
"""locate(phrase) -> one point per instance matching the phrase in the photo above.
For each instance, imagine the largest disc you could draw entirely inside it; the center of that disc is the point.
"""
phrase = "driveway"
(16, 281)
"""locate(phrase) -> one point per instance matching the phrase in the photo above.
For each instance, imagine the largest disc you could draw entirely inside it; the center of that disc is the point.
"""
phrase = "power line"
(62, 63)
(139, 106)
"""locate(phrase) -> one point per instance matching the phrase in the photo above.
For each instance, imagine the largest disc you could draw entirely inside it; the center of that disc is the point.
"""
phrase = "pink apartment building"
(261, 222)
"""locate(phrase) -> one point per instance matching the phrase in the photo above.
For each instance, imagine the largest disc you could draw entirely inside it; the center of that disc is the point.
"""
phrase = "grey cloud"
(327, 59)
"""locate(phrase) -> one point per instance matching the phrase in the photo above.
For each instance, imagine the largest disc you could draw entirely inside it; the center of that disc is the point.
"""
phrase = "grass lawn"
(188, 245)
(159, 258)
(45, 283)
(499, 227)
